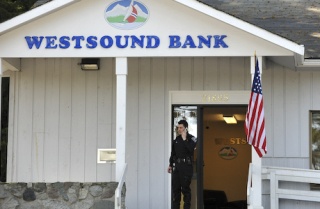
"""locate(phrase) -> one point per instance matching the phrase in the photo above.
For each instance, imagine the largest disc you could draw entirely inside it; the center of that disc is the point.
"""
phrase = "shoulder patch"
(194, 139)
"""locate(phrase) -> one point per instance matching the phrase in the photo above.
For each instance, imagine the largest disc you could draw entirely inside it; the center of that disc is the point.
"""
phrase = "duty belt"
(183, 160)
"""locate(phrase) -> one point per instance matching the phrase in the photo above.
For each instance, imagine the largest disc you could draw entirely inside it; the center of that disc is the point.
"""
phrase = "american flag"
(254, 124)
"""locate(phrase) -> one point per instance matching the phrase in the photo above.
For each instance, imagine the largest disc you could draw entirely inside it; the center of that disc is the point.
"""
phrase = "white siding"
(289, 96)
(65, 98)
(62, 115)
(158, 76)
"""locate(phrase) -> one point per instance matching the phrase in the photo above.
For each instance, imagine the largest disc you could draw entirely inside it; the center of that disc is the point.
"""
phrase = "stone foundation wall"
(67, 195)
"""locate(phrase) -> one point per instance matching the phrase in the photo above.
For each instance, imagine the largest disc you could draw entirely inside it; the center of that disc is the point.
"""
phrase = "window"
(315, 143)
(315, 140)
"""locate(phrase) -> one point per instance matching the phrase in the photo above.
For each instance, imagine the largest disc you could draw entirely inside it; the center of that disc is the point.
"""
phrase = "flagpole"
(256, 160)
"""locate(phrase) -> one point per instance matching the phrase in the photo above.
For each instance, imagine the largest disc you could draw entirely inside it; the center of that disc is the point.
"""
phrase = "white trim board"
(34, 14)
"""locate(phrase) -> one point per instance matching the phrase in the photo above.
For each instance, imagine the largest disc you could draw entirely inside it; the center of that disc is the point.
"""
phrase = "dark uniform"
(181, 163)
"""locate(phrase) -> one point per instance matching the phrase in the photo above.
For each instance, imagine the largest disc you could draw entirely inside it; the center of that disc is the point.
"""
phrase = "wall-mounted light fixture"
(106, 155)
(90, 64)
(230, 119)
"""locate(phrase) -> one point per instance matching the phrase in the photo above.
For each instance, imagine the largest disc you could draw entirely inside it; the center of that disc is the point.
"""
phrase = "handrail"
(118, 191)
(249, 188)
(277, 174)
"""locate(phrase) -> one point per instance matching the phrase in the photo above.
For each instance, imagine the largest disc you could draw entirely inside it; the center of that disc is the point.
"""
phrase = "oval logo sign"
(228, 153)
(126, 14)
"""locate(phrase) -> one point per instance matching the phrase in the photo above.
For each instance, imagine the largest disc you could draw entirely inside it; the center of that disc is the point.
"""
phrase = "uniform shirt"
(182, 149)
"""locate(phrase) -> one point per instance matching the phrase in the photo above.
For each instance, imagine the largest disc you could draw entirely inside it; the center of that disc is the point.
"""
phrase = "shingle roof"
(39, 3)
(295, 20)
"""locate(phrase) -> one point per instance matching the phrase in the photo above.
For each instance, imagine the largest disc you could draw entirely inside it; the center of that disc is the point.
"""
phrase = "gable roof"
(298, 21)
(235, 22)
(245, 26)
(34, 14)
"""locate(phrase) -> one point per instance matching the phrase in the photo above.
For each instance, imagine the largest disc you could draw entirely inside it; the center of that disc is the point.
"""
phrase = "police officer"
(181, 165)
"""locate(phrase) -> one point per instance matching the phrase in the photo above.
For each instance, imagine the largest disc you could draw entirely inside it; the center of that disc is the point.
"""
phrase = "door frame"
(200, 99)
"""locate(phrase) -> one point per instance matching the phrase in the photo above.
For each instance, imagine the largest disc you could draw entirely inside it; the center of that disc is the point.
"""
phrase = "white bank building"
(96, 88)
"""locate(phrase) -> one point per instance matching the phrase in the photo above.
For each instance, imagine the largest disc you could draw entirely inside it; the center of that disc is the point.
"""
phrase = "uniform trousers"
(181, 180)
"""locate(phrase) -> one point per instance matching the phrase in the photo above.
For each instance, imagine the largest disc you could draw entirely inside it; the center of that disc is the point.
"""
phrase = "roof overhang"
(296, 62)
(235, 22)
(261, 41)
(34, 14)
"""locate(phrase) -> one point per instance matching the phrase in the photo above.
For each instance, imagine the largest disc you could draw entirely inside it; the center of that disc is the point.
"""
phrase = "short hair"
(184, 123)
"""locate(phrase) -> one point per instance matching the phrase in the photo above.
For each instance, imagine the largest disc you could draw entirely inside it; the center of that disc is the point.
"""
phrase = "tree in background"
(12, 8)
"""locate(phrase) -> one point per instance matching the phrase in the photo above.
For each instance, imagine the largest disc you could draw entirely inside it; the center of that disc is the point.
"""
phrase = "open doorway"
(222, 155)
(190, 114)
(226, 157)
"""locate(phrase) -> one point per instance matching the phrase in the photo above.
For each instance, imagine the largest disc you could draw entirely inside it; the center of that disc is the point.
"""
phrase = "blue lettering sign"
(64, 42)
(51, 44)
(78, 40)
(118, 42)
(92, 42)
(203, 40)
(153, 42)
(218, 40)
(174, 42)
(103, 42)
(136, 40)
(106, 42)
(34, 40)
(189, 42)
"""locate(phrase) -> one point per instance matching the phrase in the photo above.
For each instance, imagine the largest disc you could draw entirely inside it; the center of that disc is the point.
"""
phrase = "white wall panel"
(224, 74)
(106, 83)
(305, 104)
(173, 70)
(51, 120)
(91, 126)
(292, 114)
(238, 72)
(211, 73)
(78, 123)
(39, 86)
(25, 142)
(60, 117)
(267, 87)
(278, 113)
(198, 74)
(145, 135)
(158, 122)
(186, 74)
(65, 103)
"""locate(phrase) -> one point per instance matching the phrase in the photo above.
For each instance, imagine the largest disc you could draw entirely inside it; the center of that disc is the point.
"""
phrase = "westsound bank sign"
(126, 15)
(126, 41)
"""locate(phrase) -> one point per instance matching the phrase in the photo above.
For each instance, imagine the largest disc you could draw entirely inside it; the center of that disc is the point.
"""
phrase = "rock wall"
(69, 195)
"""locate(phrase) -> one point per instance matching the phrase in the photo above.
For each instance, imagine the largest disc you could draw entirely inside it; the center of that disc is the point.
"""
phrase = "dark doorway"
(4, 127)
(190, 114)
(222, 155)
(226, 156)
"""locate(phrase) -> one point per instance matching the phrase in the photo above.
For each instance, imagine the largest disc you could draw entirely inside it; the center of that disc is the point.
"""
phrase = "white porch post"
(256, 160)
(121, 72)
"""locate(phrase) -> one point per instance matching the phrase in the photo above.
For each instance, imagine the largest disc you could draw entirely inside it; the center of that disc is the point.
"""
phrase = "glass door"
(190, 114)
